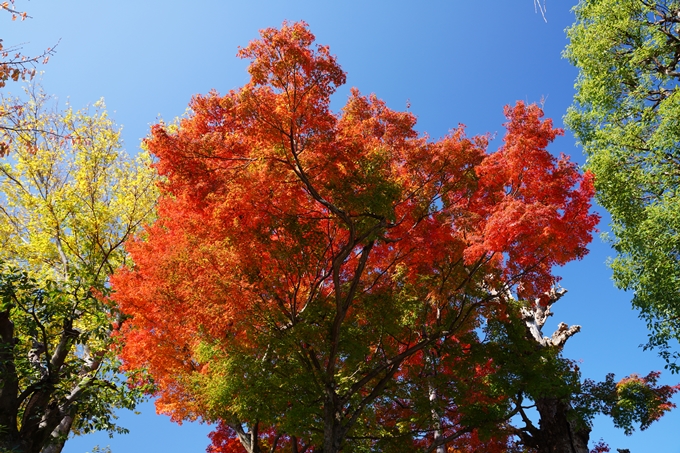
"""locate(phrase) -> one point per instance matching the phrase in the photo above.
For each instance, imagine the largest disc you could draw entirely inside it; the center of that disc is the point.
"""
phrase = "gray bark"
(59, 436)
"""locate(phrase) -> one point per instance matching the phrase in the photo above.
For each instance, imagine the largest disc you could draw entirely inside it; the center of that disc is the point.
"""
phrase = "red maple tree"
(307, 266)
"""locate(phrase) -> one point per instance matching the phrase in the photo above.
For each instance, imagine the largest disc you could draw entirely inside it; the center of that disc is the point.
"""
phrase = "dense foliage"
(318, 280)
(324, 282)
(625, 115)
(69, 198)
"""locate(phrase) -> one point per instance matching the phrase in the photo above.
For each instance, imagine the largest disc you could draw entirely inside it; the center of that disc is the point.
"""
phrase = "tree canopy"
(69, 198)
(625, 115)
(319, 280)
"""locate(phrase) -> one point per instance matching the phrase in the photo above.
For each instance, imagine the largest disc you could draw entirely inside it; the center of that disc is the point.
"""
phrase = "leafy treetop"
(307, 268)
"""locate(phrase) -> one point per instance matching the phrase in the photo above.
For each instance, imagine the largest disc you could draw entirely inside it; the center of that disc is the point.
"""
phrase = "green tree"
(626, 115)
(69, 198)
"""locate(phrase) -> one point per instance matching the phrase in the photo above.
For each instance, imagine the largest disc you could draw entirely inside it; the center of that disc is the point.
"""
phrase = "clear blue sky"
(455, 61)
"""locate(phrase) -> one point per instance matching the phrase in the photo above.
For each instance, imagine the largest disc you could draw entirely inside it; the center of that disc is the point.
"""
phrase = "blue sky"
(454, 61)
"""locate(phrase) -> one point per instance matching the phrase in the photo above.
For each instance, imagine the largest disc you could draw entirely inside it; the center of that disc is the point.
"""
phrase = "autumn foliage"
(319, 276)
(14, 65)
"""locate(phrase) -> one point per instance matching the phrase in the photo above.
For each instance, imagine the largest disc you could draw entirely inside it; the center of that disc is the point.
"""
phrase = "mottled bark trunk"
(43, 412)
(39, 414)
(559, 431)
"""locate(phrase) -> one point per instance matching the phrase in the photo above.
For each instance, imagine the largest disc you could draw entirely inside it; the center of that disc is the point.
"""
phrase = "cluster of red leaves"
(225, 440)
(534, 220)
(600, 447)
(276, 213)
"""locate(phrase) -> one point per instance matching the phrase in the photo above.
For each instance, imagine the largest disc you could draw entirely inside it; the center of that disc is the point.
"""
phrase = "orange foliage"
(340, 244)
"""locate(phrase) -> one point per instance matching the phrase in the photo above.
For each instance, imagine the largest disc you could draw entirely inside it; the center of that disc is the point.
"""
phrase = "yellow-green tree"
(69, 198)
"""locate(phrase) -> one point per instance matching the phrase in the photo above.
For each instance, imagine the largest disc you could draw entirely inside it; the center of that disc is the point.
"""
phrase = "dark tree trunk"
(249, 440)
(9, 385)
(333, 432)
(559, 431)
